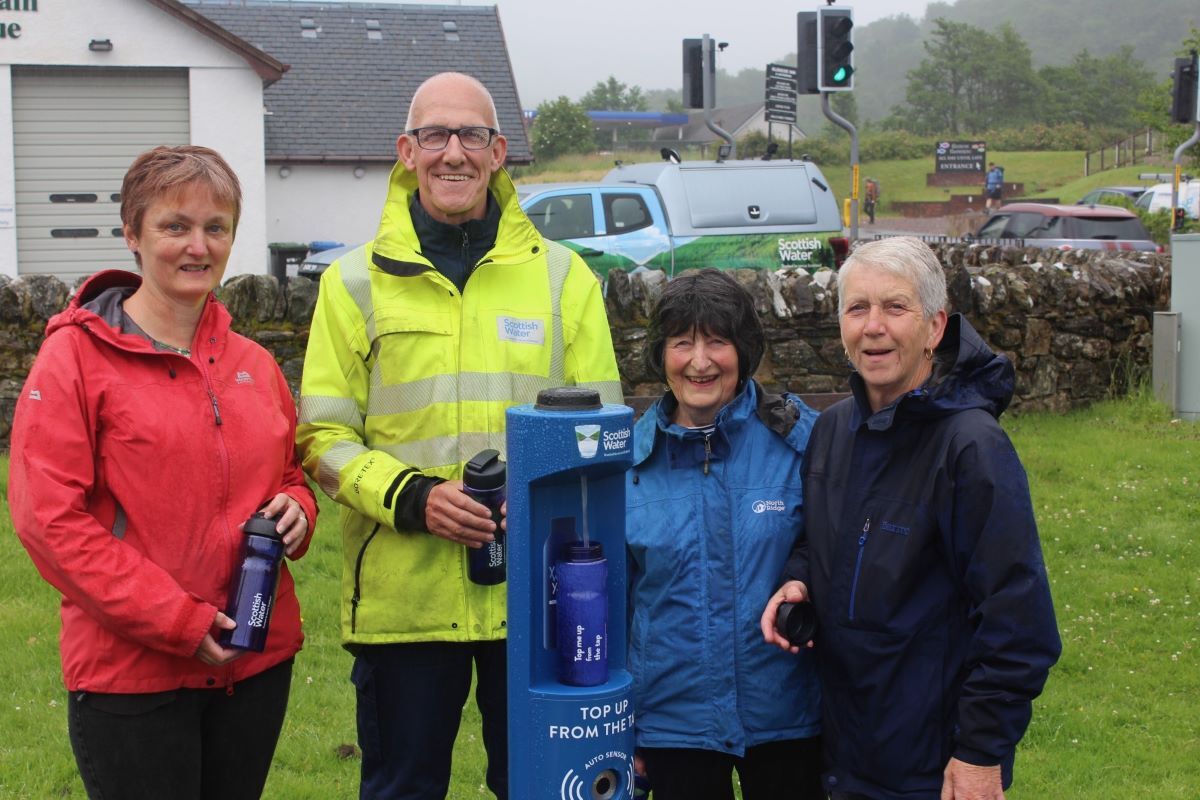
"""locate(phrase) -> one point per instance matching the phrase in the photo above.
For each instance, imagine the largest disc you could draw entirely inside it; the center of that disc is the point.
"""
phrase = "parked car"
(1158, 198)
(1069, 227)
(1106, 194)
(316, 263)
(674, 215)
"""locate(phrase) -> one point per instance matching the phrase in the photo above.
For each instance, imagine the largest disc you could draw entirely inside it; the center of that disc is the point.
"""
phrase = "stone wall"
(1077, 324)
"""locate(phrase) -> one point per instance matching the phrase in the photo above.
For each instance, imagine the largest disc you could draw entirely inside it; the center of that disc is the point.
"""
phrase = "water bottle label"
(495, 552)
(260, 609)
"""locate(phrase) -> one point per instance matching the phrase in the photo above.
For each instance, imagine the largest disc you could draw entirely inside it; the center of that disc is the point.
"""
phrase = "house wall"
(225, 100)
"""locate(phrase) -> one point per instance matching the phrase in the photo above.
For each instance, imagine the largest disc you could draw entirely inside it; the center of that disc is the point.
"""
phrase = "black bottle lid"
(578, 551)
(485, 471)
(568, 398)
(261, 525)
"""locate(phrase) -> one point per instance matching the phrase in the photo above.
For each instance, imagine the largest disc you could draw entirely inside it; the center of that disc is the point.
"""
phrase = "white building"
(304, 100)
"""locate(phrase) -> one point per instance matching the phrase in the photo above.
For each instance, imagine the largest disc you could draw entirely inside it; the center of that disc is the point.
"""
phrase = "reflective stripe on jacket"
(707, 547)
(406, 376)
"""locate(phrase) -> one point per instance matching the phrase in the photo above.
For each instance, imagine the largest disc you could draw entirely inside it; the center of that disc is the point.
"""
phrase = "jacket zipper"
(212, 398)
(862, 546)
(358, 562)
(707, 450)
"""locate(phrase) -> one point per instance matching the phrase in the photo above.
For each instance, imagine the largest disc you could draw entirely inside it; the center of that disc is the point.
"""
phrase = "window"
(624, 213)
(563, 216)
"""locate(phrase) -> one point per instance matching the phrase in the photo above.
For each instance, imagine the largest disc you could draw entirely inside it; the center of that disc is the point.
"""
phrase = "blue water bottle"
(582, 615)
(484, 482)
(252, 593)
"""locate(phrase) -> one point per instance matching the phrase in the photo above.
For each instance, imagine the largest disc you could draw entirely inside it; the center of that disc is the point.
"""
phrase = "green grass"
(1117, 492)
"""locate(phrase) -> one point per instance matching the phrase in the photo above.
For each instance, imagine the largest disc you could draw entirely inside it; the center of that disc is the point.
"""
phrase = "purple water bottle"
(583, 615)
(252, 593)
(484, 482)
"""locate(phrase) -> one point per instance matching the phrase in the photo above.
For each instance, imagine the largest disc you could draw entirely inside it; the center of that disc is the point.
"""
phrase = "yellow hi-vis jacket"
(406, 376)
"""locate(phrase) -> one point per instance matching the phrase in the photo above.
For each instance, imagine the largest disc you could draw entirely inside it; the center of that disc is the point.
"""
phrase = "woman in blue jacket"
(920, 553)
(714, 505)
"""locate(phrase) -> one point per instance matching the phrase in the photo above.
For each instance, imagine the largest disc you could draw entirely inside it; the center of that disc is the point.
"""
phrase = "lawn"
(1116, 492)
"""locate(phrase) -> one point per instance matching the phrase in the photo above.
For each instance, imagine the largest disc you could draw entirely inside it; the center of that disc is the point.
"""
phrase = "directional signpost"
(781, 94)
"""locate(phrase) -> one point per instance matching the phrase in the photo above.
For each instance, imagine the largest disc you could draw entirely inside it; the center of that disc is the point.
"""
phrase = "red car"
(1069, 227)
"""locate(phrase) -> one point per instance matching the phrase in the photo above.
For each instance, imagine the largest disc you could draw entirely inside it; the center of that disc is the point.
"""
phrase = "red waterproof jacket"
(131, 470)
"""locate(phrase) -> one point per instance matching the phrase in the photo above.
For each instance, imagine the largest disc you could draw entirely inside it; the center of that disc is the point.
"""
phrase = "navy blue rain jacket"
(922, 557)
(711, 521)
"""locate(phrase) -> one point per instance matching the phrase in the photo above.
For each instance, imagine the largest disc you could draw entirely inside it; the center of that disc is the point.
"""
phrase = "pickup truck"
(682, 215)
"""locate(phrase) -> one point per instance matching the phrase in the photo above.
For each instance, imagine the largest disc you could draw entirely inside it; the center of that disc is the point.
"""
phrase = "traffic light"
(806, 53)
(693, 72)
(835, 27)
(1183, 95)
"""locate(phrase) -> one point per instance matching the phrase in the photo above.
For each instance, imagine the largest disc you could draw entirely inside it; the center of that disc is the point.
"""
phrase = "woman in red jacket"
(146, 433)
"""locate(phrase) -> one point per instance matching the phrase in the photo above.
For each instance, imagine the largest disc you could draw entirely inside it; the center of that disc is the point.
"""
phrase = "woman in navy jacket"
(714, 504)
(920, 552)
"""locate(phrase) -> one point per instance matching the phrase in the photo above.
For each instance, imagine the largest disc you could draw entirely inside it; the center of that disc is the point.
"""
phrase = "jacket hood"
(515, 238)
(967, 375)
(98, 297)
(97, 307)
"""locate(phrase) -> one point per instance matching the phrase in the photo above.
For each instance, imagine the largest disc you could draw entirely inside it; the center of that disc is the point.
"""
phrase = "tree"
(1102, 92)
(970, 82)
(612, 95)
(561, 127)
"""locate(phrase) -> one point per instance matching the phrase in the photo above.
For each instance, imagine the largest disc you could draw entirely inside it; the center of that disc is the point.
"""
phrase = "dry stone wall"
(1077, 325)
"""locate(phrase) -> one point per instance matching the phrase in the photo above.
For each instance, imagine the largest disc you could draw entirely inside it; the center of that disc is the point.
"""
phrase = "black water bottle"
(252, 593)
(484, 482)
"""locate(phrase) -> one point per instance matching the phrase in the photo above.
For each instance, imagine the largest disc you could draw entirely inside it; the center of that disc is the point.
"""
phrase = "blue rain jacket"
(711, 521)
(922, 558)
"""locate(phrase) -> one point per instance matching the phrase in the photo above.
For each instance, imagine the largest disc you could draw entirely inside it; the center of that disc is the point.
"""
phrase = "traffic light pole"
(848, 126)
(710, 98)
(1176, 221)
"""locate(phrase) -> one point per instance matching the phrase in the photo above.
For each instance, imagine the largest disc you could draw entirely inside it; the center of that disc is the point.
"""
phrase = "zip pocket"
(862, 546)
(358, 562)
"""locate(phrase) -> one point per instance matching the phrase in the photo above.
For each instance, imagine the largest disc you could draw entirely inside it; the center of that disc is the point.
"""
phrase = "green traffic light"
(842, 73)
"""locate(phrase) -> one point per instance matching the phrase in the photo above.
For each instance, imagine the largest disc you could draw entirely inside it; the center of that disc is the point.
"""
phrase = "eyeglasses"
(476, 137)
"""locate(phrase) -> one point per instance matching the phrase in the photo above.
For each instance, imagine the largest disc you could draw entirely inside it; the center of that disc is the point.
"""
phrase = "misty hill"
(1055, 31)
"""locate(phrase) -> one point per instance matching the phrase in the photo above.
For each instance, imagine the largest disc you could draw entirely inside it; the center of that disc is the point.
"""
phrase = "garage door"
(75, 132)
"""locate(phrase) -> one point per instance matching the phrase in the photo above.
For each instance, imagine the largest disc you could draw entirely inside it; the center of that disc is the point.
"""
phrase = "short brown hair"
(156, 172)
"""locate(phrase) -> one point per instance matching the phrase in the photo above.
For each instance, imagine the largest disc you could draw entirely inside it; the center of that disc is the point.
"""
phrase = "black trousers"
(787, 770)
(410, 700)
(186, 744)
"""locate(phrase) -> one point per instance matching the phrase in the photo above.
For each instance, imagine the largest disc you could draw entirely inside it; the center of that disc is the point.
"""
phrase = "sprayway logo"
(588, 439)
(34, 394)
(761, 506)
(523, 331)
(244, 377)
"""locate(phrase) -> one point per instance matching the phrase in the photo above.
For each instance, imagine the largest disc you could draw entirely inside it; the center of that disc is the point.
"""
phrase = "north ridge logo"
(761, 506)
(523, 331)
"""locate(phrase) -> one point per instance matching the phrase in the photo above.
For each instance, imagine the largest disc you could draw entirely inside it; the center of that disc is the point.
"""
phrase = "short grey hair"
(905, 257)
(493, 119)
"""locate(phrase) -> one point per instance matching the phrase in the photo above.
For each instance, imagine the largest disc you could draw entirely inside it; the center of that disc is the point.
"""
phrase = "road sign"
(780, 111)
(781, 71)
(783, 97)
(780, 85)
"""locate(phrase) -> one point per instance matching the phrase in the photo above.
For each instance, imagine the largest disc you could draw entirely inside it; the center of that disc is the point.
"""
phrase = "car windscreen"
(728, 197)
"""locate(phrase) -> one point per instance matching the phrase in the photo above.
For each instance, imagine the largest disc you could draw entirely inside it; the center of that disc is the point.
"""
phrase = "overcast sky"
(563, 47)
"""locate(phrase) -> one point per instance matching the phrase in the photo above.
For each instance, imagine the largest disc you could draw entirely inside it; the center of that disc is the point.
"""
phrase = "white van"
(1158, 198)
